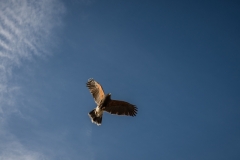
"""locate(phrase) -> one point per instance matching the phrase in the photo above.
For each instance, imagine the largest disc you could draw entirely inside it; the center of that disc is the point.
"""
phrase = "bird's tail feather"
(94, 118)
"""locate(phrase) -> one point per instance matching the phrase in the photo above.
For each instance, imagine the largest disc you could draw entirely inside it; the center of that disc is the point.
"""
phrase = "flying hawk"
(105, 103)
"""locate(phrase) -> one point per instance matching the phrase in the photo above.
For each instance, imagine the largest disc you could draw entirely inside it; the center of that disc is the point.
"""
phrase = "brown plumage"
(105, 103)
(96, 90)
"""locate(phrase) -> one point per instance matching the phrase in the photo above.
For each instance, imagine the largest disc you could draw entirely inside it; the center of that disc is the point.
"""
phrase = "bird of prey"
(105, 103)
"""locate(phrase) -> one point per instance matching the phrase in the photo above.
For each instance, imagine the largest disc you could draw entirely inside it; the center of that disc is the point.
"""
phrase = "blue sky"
(178, 62)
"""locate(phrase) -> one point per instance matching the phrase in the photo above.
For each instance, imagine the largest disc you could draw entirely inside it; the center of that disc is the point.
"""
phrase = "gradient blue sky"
(178, 61)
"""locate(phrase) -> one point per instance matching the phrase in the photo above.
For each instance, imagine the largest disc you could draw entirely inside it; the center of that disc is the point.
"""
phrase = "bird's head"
(108, 96)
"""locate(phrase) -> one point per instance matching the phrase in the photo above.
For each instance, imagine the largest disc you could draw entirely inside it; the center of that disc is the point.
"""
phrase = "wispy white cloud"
(26, 31)
(11, 149)
(26, 26)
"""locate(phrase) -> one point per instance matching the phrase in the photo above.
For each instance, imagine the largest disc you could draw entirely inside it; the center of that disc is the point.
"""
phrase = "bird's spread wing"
(96, 90)
(121, 108)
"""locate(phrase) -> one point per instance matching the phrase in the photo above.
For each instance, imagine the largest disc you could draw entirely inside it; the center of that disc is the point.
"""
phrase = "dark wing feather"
(96, 90)
(121, 108)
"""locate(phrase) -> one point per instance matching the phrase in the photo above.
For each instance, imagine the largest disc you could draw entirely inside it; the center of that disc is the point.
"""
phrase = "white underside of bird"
(98, 111)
